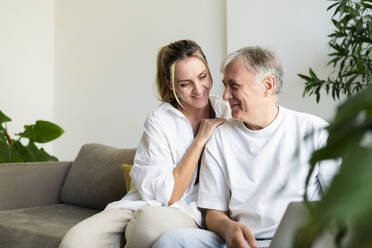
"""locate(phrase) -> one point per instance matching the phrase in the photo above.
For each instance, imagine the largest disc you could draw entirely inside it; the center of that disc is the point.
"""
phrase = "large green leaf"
(14, 156)
(4, 151)
(353, 119)
(12, 151)
(354, 105)
(38, 154)
(42, 132)
(9, 154)
(350, 192)
(348, 196)
(3, 119)
(348, 199)
(31, 153)
(2, 137)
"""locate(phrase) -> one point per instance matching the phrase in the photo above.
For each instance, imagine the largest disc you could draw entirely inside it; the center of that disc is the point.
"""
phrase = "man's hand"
(236, 234)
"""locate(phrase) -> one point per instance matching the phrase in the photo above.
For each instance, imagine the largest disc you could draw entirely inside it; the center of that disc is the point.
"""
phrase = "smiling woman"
(192, 83)
(166, 166)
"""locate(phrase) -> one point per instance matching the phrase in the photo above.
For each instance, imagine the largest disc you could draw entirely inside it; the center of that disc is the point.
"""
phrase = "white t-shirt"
(244, 171)
(167, 135)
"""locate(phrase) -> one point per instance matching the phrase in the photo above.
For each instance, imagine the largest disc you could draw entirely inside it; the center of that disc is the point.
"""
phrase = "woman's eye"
(184, 85)
(203, 76)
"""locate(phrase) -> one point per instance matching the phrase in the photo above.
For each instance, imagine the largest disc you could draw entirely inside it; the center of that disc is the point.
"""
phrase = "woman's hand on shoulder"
(206, 129)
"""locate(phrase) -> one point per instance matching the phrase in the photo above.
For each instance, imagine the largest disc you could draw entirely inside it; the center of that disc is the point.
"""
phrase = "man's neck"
(264, 118)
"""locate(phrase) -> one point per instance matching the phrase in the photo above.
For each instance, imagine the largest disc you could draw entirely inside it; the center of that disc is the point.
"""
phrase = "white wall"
(297, 31)
(105, 63)
(89, 65)
(26, 62)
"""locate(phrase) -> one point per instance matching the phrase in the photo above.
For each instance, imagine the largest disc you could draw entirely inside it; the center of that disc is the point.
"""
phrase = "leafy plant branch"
(12, 150)
(351, 58)
(345, 208)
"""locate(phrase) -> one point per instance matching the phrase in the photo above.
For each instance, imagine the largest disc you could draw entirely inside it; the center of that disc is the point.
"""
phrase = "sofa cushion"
(31, 184)
(95, 178)
(42, 226)
(126, 170)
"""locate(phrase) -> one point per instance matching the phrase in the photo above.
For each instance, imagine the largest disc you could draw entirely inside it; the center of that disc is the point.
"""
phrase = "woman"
(165, 171)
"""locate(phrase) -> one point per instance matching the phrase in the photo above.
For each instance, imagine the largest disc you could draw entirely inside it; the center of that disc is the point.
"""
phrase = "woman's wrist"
(198, 143)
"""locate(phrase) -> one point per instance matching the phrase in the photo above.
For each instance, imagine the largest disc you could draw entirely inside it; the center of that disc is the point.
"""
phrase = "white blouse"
(167, 135)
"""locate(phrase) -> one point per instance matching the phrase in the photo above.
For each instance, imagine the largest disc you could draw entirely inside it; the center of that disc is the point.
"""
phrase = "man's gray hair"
(260, 61)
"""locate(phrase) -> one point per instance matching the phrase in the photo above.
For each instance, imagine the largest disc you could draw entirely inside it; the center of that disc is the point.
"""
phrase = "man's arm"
(235, 234)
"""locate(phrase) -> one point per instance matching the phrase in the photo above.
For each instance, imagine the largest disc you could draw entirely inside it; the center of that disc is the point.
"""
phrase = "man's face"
(244, 94)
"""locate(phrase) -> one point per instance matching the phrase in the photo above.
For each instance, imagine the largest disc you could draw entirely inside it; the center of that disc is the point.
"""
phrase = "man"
(256, 163)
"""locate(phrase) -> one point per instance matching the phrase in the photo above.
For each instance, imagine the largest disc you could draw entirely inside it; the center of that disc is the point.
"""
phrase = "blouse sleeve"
(153, 164)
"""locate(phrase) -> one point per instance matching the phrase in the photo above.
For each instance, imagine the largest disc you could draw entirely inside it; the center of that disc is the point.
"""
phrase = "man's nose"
(226, 94)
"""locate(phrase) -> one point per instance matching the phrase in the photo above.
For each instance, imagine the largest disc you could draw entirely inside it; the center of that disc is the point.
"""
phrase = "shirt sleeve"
(152, 172)
(327, 169)
(214, 192)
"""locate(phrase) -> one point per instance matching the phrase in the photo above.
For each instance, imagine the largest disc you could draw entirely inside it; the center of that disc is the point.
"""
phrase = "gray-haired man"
(249, 158)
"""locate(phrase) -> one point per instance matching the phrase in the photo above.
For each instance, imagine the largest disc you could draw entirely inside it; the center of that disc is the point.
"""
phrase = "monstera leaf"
(42, 132)
(12, 151)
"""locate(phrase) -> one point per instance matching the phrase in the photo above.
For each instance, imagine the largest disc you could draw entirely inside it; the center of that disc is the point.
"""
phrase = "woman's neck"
(194, 115)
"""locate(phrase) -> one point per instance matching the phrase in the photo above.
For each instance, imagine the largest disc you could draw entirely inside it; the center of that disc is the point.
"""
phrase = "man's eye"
(234, 86)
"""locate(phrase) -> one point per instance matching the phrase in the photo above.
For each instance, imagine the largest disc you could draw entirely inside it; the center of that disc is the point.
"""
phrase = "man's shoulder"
(225, 132)
(229, 125)
(304, 118)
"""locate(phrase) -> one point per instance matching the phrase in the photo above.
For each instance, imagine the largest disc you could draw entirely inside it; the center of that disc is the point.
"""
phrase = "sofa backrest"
(95, 178)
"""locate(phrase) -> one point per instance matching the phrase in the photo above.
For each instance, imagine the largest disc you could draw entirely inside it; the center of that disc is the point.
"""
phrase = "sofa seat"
(40, 202)
(42, 226)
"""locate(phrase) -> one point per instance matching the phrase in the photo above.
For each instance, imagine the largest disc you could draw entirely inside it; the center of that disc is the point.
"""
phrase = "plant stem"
(8, 139)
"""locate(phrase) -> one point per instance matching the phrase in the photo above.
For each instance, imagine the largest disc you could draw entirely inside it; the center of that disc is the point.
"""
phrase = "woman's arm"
(154, 173)
(185, 169)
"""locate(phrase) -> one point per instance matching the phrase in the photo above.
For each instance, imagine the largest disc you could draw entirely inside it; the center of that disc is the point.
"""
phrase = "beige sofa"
(40, 202)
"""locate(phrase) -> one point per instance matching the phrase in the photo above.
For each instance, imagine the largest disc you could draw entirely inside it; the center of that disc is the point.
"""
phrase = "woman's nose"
(197, 89)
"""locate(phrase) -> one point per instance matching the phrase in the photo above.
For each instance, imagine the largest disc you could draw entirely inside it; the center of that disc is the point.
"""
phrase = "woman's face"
(192, 82)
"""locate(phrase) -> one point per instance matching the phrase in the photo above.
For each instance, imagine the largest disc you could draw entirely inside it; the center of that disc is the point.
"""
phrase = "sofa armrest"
(31, 184)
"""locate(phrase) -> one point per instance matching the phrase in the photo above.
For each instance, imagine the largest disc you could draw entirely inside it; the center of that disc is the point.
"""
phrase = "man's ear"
(269, 82)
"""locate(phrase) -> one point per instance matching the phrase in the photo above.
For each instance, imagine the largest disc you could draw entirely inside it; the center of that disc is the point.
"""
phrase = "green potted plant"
(12, 150)
(346, 207)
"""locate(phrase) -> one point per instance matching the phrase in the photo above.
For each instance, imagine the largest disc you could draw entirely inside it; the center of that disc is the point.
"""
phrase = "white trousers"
(142, 228)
